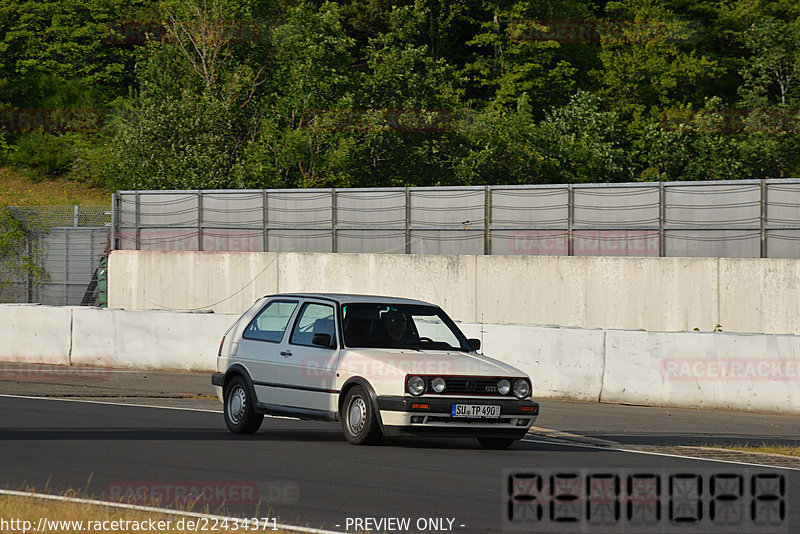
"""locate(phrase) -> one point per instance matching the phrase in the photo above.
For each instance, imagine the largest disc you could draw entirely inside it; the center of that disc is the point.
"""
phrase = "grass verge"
(20, 189)
(784, 450)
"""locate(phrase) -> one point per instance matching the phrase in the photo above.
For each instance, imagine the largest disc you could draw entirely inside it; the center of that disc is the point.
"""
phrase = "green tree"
(18, 261)
(646, 66)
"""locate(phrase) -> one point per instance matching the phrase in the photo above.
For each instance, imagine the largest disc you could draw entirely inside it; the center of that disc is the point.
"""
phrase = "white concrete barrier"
(147, 339)
(688, 369)
(562, 362)
(703, 370)
(35, 334)
(654, 294)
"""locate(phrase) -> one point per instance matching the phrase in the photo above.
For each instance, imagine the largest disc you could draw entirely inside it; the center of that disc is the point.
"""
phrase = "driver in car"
(396, 326)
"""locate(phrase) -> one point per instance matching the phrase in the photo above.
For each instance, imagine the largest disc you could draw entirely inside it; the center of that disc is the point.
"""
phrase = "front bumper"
(399, 417)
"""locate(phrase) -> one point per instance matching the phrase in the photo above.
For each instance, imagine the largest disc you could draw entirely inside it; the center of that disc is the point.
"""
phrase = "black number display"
(657, 501)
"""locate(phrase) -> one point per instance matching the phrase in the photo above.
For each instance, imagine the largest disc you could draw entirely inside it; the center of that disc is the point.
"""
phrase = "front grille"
(465, 385)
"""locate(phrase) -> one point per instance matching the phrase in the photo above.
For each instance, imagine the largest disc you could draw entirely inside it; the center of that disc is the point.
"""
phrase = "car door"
(262, 341)
(308, 371)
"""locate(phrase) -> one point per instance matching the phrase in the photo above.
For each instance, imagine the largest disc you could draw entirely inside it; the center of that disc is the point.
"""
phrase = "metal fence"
(747, 218)
(68, 242)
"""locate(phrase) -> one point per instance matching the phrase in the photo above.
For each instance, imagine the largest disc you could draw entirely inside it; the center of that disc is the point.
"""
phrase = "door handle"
(286, 353)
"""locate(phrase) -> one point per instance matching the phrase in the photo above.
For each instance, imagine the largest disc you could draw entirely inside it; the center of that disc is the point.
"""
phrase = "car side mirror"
(322, 340)
(474, 343)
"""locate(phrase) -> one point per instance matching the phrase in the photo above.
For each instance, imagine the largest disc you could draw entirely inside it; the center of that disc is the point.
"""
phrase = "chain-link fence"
(66, 244)
(747, 218)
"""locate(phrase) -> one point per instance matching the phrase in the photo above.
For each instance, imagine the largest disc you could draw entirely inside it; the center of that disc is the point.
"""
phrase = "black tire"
(496, 443)
(240, 416)
(359, 423)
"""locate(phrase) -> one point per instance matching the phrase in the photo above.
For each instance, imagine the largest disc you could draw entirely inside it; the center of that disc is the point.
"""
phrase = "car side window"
(270, 323)
(313, 319)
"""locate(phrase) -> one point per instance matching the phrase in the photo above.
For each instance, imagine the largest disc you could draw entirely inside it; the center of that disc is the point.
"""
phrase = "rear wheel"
(496, 443)
(240, 415)
(359, 423)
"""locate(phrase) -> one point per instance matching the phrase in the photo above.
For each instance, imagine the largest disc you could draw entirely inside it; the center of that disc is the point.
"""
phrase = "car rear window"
(270, 323)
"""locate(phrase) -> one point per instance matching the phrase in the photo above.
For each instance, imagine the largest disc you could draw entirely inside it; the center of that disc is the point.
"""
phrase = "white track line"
(153, 509)
(529, 440)
(63, 399)
(619, 449)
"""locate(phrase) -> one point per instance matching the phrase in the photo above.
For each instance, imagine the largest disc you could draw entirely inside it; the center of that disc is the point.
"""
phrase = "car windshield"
(407, 326)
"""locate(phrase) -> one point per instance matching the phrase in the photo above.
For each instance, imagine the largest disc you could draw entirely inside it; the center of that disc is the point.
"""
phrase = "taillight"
(219, 352)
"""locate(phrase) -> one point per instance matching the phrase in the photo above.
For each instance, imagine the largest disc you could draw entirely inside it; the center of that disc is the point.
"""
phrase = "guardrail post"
(200, 221)
(764, 252)
(570, 220)
(265, 234)
(112, 243)
(408, 220)
(137, 236)
(333, 220)
(662, 213)
(487, 221)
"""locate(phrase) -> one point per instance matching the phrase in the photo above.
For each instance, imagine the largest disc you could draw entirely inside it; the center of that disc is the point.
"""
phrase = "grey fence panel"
(365, 209)
(616, 207)
(305, 208)
(748, 218)
(233, 209)
(723, 205)
(713, 243)
(528, 208)
(67, 243)
(71, 256)
(783, 244)
(447, 242)
(530, 242)
(375, 241)
(176, 209)
(288, 240)
(445, 208)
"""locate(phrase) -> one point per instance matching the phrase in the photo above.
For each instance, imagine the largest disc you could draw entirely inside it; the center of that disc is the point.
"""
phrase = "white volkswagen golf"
(381, 366)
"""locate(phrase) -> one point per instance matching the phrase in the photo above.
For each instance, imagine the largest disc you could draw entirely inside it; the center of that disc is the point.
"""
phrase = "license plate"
(477, 411)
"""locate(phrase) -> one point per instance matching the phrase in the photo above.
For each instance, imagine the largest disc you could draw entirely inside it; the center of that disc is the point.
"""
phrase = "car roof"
(345, 298)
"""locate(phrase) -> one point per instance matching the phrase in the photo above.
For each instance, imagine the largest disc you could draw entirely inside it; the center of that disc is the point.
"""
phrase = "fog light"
(522, 422)
(417, 418)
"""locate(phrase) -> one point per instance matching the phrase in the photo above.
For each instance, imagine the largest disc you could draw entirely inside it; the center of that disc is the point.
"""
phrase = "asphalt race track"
(310, 475)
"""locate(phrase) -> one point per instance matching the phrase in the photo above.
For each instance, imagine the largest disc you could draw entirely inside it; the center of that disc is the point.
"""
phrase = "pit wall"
(752, 372)
(654, 294)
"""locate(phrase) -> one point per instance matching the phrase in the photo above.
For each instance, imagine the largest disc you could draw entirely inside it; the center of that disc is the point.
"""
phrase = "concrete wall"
(704, 370)
(35, 334)
(654, 294)
(689, 369)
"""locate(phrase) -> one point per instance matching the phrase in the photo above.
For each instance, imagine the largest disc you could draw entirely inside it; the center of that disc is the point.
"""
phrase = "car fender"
(373, 397)
(239, 369)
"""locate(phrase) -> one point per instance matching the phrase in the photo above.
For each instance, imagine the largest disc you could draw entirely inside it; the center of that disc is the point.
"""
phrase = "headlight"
(438, 384)
(521, 389)
(416, 386)
(503, 387)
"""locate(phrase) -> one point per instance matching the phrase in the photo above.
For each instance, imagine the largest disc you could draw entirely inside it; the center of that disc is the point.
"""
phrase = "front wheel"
(496, 443)
(359, 423)
(240, 416)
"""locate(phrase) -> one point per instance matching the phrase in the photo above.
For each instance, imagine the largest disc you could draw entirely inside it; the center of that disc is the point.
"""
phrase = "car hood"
(400, 362)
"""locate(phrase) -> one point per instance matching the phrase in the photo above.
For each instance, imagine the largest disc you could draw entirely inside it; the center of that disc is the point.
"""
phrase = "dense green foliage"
(354, 93)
